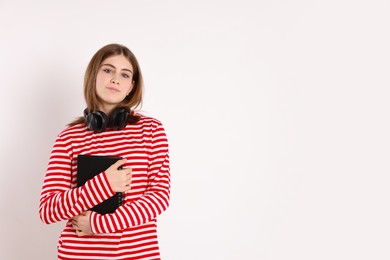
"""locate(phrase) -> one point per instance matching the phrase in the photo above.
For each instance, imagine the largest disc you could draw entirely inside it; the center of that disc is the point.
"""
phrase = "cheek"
(100, 85)
(127, 84)
(100, 79)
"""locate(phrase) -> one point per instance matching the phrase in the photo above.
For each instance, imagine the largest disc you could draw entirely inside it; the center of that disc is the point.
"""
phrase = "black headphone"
(98, 121)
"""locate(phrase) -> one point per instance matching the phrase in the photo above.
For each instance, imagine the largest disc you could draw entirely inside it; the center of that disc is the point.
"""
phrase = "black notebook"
(88, 166)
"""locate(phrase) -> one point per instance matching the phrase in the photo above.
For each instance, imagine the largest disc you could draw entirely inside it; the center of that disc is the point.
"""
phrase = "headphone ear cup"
(101, 121)
(88, 118)
(118, 118)
(96, 121)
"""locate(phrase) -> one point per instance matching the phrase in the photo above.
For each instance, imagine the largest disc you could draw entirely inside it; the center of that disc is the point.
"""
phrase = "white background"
(277, 114)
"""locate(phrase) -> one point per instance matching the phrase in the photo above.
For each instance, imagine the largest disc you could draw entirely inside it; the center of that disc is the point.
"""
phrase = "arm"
(154, 201)
(61, 202)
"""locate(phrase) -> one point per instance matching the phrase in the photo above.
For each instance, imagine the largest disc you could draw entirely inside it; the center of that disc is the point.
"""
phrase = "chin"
(113, 101)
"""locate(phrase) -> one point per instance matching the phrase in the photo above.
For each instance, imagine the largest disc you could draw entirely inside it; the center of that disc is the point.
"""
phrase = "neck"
(107, 109)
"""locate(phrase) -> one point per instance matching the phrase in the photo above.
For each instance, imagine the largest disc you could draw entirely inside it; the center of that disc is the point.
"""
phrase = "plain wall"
(277, 114)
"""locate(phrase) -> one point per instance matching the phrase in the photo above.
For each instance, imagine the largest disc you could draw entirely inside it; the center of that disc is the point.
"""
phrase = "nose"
(114, 80)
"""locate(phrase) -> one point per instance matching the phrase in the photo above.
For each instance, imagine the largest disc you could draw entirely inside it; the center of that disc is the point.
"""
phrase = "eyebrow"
(112, 66)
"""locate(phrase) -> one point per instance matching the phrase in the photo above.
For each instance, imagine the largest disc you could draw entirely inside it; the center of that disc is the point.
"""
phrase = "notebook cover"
(88, 166)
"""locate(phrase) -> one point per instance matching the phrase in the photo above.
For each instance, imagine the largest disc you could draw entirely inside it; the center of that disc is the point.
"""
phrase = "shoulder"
(72, 131)
(146, 120)
(153, 129)
(151, 125)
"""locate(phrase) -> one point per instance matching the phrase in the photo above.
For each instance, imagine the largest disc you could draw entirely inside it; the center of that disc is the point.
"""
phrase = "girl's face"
(114, 81)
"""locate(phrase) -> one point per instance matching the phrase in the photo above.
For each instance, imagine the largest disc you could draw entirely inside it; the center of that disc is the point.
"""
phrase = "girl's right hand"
(119, 180)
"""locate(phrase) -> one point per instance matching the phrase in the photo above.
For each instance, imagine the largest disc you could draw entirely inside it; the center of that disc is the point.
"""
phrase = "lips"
(113, 89)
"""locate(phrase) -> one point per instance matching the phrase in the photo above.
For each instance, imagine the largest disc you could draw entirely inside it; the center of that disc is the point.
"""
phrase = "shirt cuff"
(92, 222)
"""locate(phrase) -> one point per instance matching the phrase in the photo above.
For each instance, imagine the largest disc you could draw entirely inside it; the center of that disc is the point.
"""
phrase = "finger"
(126, 171)
(119, 163)
(125, 188)
(75, 227)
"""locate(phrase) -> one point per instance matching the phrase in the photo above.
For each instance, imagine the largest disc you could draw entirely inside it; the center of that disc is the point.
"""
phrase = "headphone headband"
(98, 121)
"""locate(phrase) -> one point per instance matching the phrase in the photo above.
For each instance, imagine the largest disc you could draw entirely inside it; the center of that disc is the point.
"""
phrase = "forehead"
(118, 61)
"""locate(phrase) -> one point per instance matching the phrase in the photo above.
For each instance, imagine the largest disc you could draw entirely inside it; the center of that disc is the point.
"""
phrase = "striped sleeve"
(154, 201)
(58, 200)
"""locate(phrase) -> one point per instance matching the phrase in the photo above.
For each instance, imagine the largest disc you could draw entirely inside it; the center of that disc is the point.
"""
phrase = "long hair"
(133, 100)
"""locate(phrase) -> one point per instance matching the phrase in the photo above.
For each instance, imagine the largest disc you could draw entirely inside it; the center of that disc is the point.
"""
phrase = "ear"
(131, 87)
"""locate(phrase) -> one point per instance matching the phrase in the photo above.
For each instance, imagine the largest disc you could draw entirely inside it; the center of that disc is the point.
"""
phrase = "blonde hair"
(132, 101)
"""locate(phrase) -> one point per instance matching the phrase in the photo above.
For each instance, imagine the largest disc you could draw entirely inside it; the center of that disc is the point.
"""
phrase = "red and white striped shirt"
(130, 232)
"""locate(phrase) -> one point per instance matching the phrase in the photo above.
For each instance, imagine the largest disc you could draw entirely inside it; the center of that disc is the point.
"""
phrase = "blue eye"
(125, 76)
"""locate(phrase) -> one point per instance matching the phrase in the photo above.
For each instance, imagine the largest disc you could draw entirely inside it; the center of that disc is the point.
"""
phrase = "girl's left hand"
(81, 224)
